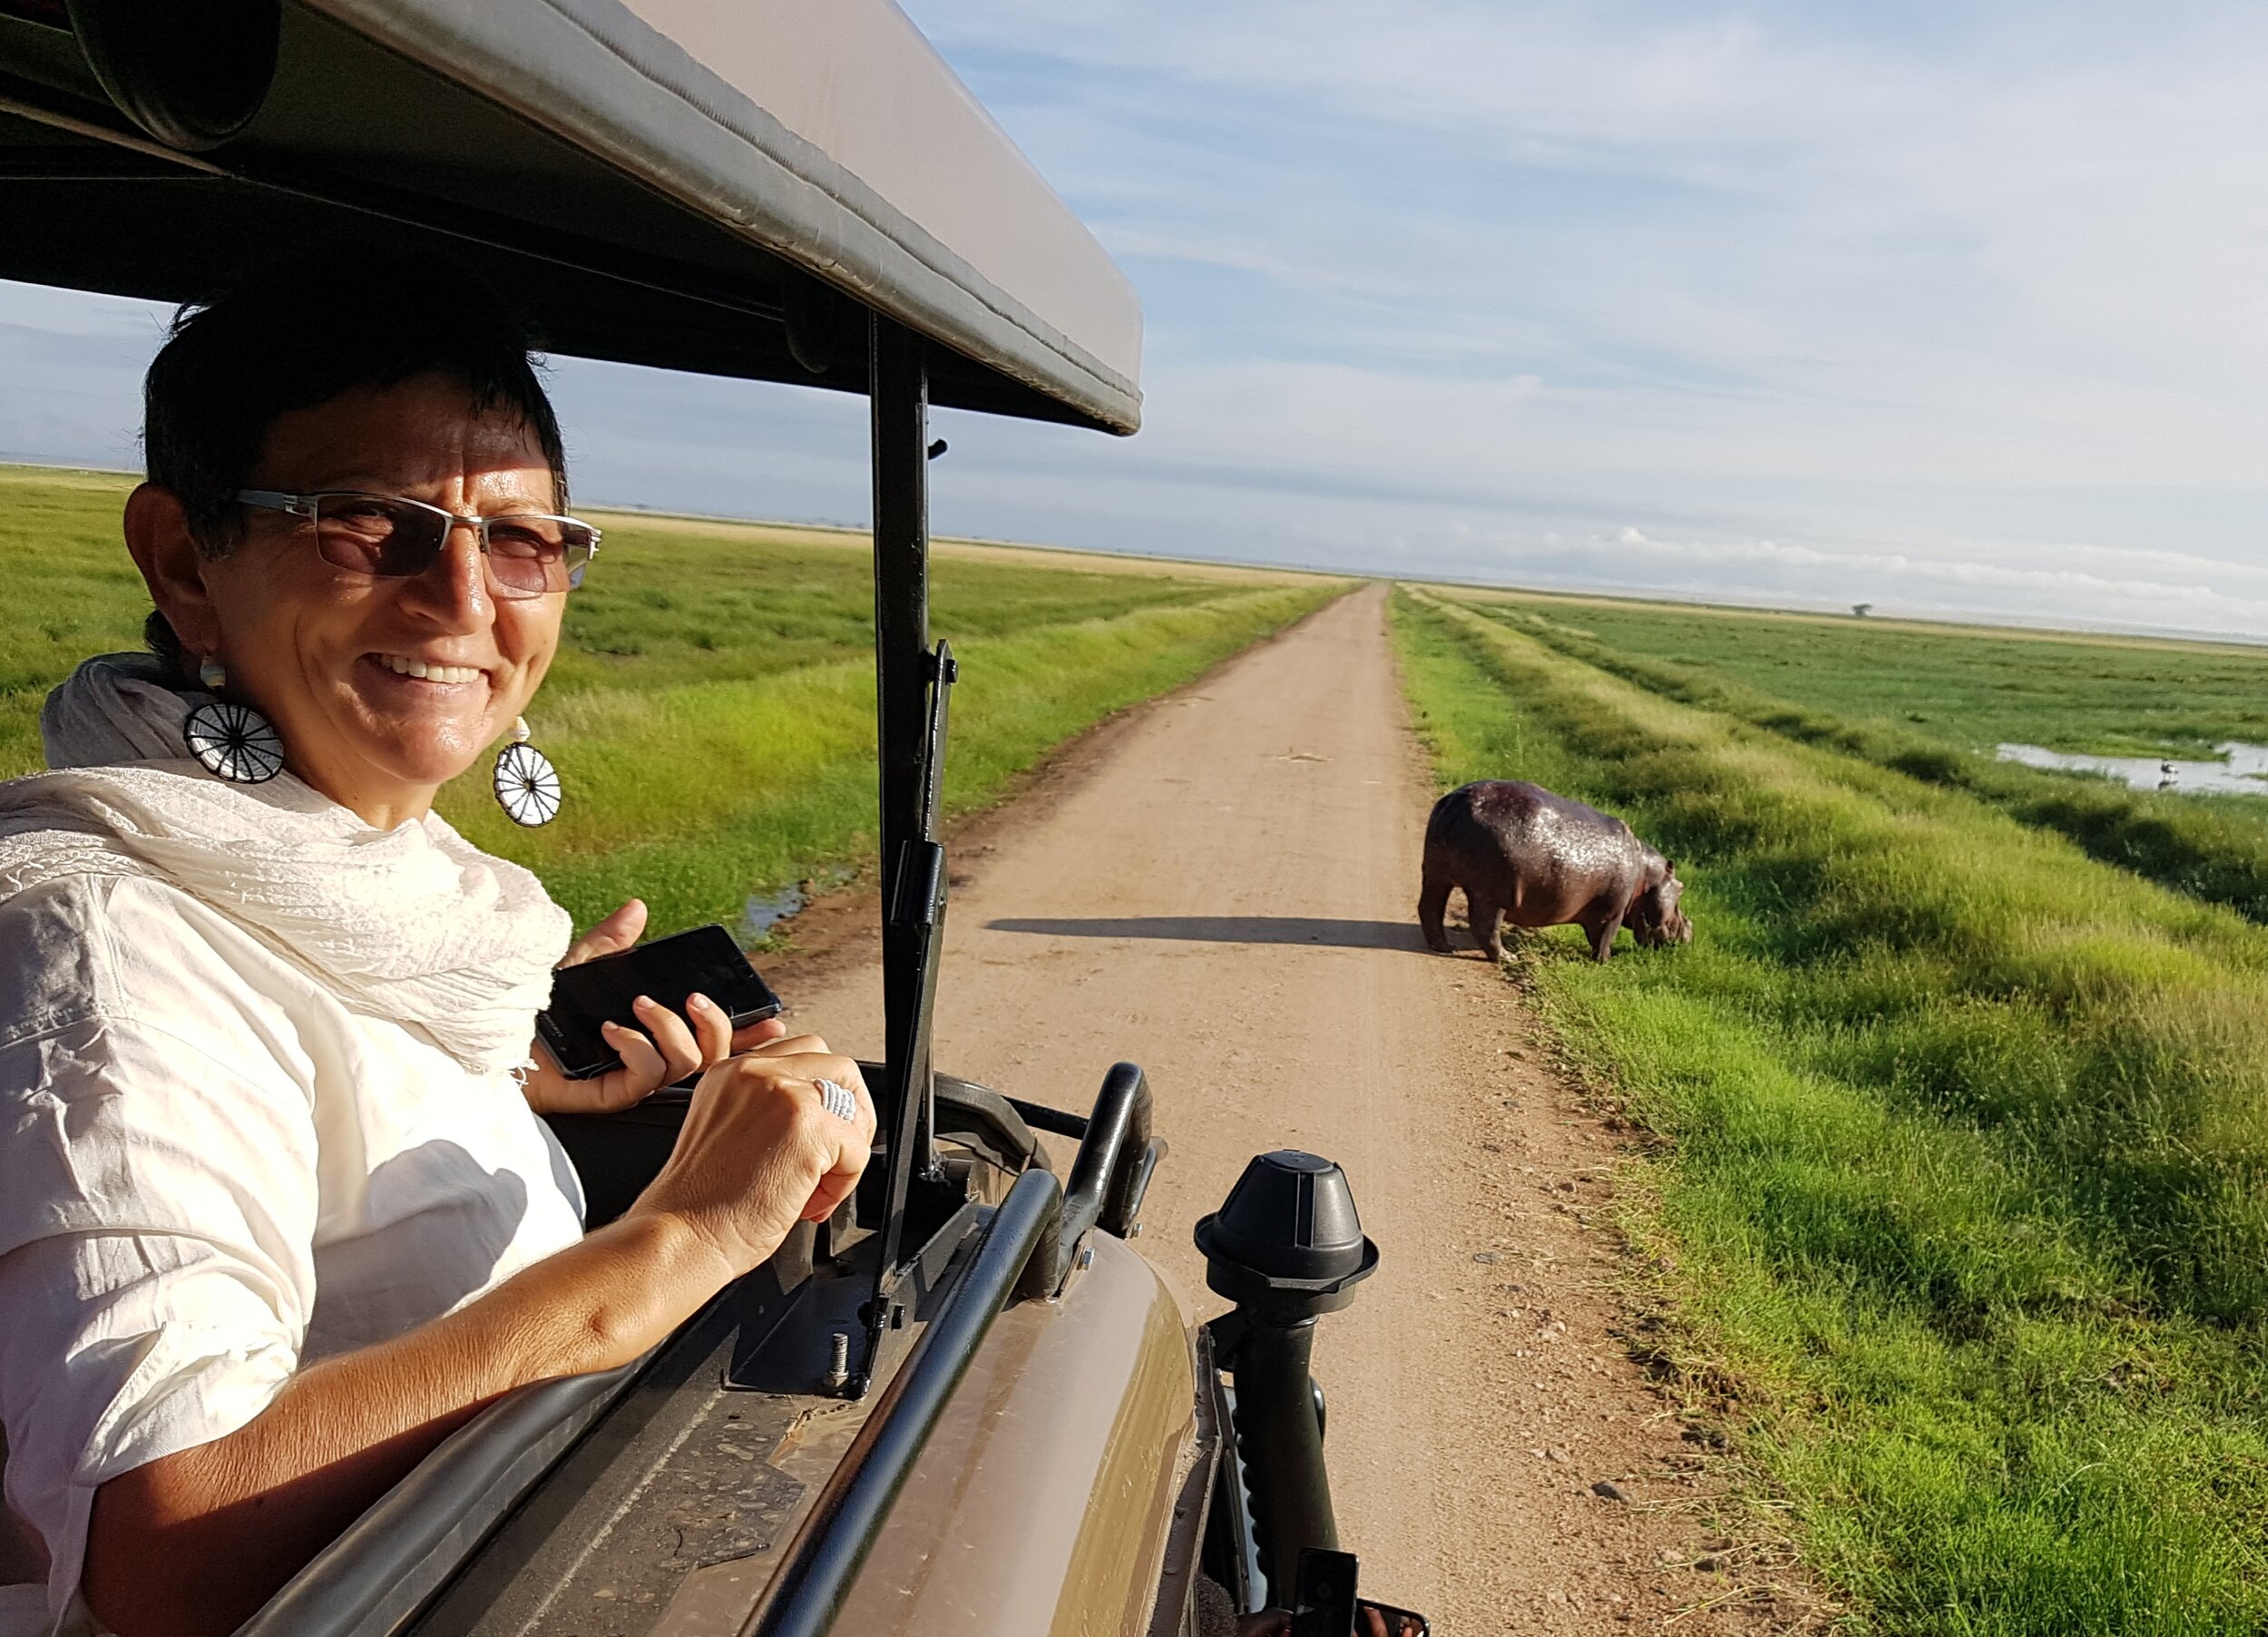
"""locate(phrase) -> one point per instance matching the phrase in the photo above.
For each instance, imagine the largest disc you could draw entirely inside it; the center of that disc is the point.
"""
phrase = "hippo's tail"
(1451, 819)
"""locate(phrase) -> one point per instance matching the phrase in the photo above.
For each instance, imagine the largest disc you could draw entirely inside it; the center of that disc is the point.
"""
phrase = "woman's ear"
(157, 534)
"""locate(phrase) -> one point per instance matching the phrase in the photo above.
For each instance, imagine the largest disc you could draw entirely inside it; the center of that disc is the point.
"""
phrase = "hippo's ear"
(1669, 866)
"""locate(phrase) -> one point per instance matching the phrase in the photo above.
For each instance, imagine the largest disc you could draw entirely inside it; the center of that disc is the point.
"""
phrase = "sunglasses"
(528, 553)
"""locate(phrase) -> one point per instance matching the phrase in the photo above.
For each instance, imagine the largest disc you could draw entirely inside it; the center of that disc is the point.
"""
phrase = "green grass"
(2215, 848)
(1964, 1209)
(1972, 687)
(72, 592)
(712, 710)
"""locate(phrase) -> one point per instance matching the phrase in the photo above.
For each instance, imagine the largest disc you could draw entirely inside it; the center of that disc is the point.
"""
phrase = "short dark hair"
(302, 334)
(305, 333)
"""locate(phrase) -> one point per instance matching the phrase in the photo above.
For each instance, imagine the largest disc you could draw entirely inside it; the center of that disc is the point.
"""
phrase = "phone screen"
(669, 970)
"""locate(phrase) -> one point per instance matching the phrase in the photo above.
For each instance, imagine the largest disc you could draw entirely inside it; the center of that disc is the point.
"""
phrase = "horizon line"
(1666, 596)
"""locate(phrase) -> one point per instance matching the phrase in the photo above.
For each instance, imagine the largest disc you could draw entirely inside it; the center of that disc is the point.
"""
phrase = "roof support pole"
(901, 474)
(906, 675)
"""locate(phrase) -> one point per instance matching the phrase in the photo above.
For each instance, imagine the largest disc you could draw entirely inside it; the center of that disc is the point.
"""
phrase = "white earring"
(232, 741)
(527, 784)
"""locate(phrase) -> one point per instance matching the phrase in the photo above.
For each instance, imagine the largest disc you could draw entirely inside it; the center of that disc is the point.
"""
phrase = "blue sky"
(1956, 309)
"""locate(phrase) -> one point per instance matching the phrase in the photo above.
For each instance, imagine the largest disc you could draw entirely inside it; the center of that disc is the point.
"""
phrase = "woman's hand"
(759, 1152)
(671, 1049)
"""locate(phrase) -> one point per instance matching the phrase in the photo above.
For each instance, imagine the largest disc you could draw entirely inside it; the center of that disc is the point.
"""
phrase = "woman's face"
(325, 651)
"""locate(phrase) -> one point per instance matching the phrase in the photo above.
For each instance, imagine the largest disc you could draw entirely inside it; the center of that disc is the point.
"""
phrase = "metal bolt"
(838, 1361)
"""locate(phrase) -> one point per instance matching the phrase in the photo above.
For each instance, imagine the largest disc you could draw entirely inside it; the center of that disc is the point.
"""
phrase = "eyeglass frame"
(304, 506)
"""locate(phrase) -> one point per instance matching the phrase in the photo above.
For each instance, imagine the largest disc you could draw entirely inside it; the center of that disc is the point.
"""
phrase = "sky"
(1956, 309)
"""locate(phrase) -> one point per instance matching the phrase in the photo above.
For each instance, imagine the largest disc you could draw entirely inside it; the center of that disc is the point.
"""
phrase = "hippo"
(1519, 851)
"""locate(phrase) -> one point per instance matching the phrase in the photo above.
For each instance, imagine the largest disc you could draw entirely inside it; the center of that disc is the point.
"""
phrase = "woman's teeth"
(402, 666)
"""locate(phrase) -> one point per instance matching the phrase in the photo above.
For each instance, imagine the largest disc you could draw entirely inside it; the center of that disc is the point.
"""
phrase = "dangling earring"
(527, 785)
(233, 741)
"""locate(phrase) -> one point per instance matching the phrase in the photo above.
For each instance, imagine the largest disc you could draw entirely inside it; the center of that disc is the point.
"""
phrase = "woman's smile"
(418, 712)
(439, 671)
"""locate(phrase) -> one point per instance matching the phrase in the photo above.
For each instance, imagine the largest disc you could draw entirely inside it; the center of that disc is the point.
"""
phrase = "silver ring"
(837, 1101)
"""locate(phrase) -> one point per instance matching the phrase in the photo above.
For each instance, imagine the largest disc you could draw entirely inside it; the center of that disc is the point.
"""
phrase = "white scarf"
(412, 924)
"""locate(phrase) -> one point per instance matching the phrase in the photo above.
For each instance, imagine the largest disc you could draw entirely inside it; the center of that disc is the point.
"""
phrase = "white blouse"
(213, 1171)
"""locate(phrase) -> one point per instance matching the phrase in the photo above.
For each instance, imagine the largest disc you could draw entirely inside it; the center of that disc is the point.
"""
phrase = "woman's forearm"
(195, 1541)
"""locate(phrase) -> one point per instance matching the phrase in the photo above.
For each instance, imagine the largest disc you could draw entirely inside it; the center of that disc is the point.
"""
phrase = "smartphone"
(668, 969)
(1326, 1604)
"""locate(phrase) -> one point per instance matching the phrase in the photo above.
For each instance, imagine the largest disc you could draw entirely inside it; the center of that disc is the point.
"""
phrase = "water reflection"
(766, 910)
(2244, 772)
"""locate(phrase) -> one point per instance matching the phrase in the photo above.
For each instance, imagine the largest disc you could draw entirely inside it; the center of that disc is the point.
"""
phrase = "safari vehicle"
(965, 1404)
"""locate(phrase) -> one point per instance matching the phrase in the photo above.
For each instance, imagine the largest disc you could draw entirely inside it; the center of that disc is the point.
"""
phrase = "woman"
(276, 1212)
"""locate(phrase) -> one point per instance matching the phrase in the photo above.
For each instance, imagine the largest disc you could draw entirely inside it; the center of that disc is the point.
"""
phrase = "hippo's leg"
(1484, 916)
(1432, 904)
(1602, 935)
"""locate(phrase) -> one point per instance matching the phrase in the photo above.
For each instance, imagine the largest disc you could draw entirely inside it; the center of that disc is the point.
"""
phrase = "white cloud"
(1964, 306)
(1961, 297)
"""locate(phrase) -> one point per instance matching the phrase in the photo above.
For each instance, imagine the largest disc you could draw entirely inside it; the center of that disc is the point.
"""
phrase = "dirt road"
(1225, 894)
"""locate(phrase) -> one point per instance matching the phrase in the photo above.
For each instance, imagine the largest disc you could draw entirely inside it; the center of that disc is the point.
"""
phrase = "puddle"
(765, 911)
(2243, 773)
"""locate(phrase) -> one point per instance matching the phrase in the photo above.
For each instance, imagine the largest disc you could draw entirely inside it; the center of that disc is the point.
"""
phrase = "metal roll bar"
(824, 1560)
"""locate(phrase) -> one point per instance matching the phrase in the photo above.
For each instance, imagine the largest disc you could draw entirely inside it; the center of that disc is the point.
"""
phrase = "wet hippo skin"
(1521, 853)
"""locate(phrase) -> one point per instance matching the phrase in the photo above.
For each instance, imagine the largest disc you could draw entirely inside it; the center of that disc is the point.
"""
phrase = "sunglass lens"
(374, 536)
(531, 556)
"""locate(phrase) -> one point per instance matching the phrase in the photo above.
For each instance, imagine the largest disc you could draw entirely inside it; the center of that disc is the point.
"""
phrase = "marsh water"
(766, 910)
(2242, 772)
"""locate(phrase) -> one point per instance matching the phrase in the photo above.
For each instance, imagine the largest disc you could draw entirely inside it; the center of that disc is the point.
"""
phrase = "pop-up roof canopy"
(697, 184)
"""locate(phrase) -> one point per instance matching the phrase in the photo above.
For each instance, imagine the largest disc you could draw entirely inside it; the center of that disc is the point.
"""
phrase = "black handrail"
(1113, 1164)
(823, 1561)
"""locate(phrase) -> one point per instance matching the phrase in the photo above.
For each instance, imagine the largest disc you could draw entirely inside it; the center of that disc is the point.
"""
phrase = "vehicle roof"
(696, 184)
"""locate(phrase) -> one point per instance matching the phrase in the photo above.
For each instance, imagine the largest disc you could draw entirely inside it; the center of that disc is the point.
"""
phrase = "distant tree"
(1861, 609)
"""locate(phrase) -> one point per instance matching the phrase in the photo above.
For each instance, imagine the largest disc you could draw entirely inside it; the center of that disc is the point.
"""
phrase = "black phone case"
(669, 970)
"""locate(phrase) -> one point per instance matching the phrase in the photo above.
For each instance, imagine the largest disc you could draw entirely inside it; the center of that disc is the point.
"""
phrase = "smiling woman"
(277, 1212)
(327, 529)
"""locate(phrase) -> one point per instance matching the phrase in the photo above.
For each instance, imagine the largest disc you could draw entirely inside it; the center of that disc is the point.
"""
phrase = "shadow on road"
(1229, 929)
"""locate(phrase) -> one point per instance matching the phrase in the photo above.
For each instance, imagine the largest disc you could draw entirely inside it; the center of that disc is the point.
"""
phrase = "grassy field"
(711, 711)
(1963, 1214)
(1974, 687)
(1933, 702)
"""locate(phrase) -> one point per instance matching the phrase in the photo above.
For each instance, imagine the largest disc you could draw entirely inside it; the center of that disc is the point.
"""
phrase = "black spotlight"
(1286, 1247)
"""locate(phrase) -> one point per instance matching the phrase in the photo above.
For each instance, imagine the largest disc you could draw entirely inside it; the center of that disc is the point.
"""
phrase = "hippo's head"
(1654, 918)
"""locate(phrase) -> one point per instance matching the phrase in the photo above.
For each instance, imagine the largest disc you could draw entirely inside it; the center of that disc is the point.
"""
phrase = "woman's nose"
(455, 588)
